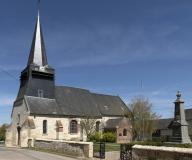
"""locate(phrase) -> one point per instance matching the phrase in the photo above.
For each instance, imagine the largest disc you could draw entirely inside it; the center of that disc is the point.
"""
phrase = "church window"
(44, 126)
(73, 126)
(124, 132)
(97, 126)
(40, 93)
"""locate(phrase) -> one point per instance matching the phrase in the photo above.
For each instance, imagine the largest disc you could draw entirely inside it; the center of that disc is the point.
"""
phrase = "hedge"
(103, 137)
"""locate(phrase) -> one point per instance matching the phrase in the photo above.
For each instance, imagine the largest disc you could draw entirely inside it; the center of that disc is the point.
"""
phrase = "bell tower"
(38, 78)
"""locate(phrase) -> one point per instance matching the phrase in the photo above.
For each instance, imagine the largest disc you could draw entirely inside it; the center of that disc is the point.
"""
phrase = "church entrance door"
(19, 135)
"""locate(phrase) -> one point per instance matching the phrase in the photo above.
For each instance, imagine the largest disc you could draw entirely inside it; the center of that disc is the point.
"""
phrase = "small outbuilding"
(122, 127)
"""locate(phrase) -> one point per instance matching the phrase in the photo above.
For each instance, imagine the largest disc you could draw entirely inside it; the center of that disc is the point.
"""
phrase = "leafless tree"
(88, 124)
(142, 118)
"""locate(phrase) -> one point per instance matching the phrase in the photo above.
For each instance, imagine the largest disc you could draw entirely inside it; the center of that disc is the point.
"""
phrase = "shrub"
(103, 137)
(109, 137)
(3, 132)
(95, 137)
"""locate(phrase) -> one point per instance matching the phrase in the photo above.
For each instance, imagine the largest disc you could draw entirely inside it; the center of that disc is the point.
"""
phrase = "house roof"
(163, 123)
(75, 102)
(190, 126)
(109, 105)
(71, 101)
(113, 123)
(42, 106)
(118, 122)
(188, 114)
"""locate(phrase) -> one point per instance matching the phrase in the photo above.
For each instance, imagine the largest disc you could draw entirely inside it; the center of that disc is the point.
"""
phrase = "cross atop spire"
(38, 54)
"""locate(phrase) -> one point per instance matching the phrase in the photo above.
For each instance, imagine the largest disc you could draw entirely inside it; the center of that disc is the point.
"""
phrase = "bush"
(109, 137)
(95, 137)
(105, 137)
(3, 132)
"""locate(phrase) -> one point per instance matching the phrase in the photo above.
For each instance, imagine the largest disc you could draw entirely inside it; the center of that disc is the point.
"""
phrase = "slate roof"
(113, 123)
(42, 106)
(188, 114)
(109, 105)
(71, 101)
(76, 101)
(163, 123)
(190, 126)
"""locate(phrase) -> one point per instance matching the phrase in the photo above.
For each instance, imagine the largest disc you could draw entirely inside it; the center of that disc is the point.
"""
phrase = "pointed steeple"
(37, 76)
(38, 53)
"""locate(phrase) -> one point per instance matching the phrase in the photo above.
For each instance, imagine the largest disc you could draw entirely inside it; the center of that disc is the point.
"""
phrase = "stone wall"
(19, 115)
(160, 153)
(79, 149)
(37, 133)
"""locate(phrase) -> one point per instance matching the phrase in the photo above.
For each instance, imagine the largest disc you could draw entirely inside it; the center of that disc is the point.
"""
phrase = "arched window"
(124, 132)
(73, 126)
(97, 126)
(44, 126)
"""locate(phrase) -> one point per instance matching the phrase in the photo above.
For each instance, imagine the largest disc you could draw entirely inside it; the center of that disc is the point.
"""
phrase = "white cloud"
(6, 100)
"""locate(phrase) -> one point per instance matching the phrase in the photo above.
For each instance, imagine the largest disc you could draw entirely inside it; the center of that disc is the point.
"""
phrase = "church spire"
(38, 53)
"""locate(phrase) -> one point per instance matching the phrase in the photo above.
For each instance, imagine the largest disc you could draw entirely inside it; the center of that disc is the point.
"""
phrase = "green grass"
(108, 147)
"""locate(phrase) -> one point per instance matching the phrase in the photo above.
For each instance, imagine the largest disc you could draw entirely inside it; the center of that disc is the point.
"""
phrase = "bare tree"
(142, 118)
(88, 124)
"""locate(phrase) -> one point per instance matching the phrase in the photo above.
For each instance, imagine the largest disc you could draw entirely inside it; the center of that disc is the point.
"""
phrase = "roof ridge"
(102, 94)
(73, 88)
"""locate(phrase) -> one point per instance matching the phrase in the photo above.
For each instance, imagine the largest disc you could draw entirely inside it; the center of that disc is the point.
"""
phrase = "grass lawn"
(108, 147)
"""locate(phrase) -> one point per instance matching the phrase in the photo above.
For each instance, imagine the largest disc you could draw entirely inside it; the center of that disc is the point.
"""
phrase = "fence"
(99, 150)
(126, 152)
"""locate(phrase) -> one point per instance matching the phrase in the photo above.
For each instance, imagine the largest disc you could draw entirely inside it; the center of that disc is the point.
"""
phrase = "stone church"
(43, 110)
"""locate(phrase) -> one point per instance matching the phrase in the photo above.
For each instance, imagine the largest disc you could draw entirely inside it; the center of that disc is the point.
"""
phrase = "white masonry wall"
(37, 133)
(12, 135)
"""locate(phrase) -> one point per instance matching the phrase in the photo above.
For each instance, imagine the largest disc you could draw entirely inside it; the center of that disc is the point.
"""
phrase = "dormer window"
(106, 107)
(40, 93)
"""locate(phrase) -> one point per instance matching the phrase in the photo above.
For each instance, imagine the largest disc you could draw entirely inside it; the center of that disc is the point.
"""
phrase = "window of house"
(40, 93)
(97, 126)
(124, 132)
(73, 126)
(44, 126)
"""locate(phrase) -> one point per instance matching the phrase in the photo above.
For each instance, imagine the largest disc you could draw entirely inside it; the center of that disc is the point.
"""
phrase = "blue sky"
(104, 46)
